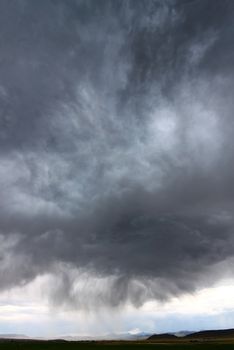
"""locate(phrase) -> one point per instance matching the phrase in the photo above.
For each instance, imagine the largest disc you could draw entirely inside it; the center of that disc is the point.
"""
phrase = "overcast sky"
(116, 164)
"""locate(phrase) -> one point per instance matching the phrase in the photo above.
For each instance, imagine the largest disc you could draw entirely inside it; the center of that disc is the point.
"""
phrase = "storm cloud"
(116, 147)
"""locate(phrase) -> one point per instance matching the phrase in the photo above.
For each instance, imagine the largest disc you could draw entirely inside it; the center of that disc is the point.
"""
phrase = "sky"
(116, 166)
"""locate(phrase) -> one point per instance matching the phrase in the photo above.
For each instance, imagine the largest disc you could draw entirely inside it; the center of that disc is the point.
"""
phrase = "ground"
(64, 345)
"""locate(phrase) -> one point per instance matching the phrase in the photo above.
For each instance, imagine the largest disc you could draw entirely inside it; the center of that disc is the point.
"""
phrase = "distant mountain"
(229, 333)
(206, 334)
(162, 336)
(111, 336)
(181, 334)
(13, 336)
(128, 336)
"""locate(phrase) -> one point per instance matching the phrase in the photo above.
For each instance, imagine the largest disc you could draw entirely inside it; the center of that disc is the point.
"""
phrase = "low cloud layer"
(116, 147)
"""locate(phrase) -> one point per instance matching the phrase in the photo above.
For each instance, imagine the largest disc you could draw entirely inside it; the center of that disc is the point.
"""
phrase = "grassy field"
(60, 345)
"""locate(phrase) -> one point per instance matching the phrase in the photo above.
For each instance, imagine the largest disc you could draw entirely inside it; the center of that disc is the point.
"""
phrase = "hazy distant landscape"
(211, 339)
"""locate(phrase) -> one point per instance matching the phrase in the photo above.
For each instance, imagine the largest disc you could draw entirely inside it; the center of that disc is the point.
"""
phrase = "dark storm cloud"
(116, 146)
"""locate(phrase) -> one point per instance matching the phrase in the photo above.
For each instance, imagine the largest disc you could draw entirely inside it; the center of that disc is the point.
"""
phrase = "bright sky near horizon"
(26, 311)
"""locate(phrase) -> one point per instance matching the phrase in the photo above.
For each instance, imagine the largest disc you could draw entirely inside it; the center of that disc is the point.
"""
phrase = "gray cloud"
(116, 147)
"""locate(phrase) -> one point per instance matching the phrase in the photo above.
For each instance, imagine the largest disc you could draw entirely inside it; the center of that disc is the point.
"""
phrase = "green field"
(59, 345)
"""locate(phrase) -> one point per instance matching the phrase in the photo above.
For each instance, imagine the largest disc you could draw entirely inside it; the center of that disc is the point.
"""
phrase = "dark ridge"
(212, 334)
(162, 336)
